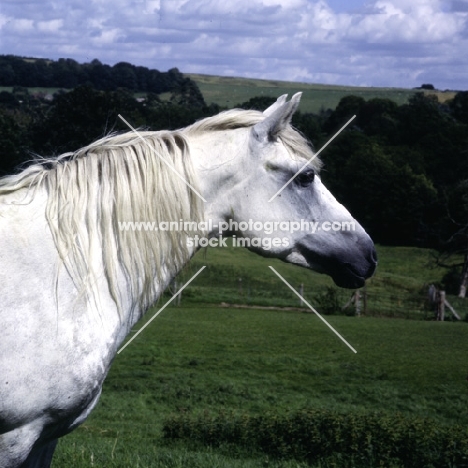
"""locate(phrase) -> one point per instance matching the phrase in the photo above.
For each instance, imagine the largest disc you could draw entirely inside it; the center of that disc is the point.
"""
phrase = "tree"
(100, 76)
(419, 117)
(8, 100)
(188, 94)
(124, 76)
(67, 73)
(459, 106)
(11, 144)
(378, 117)
(7, 73)
(259, 103)
(82, 115)
(453, 253)
(347, 107)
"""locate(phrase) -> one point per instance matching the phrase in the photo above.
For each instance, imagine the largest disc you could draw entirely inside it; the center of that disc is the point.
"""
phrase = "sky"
(385, 43)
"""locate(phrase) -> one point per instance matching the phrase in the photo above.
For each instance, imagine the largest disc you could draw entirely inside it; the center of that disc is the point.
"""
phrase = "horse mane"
(117, 178)
(296, 143)
(121, 178)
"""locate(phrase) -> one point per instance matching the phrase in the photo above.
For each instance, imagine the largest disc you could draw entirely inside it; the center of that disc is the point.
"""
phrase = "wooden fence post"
(364, 300)
(357, 303)
(441, 306)
(464, 280)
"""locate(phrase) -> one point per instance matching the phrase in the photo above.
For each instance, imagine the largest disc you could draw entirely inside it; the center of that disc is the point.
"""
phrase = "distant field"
(228, 92)
(35, 90)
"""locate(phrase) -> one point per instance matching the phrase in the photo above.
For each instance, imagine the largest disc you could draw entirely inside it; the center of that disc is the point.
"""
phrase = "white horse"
(73, 284)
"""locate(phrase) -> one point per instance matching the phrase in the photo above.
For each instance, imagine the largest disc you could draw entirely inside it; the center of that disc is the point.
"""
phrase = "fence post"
(441, 306)
(357, 303)
(364, 299)
(464, 281)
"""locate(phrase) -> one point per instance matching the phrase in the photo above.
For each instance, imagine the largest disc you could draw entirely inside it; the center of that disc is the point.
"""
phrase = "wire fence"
(379, 298)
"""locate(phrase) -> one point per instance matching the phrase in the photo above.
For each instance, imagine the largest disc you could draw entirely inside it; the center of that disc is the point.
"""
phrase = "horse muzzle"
(348, 268)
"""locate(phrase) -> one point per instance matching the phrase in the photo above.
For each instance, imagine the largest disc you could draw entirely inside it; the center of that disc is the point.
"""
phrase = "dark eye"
(305, 178)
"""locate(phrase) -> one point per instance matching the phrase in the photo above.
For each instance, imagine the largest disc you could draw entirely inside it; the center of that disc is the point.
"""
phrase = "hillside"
(230, 91)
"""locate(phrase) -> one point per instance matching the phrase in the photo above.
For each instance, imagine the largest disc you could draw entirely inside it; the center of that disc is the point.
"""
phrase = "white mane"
(294, 141)
(117, 178)
(121, 178)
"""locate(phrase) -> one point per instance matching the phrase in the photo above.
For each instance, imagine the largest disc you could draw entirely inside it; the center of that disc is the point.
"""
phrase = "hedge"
(329, 438)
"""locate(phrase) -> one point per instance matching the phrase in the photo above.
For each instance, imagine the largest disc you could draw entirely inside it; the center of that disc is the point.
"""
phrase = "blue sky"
(343, 6)
(395, 43)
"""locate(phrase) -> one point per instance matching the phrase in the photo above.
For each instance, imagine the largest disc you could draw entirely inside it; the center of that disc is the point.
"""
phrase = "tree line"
(67, 73)
(402, 170)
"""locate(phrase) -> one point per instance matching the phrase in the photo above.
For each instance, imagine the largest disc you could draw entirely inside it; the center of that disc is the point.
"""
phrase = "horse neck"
(133, 312)
(212, 158)
(217, 159)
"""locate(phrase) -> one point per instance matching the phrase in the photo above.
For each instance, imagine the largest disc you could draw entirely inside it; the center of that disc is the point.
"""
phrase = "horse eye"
(305, 178)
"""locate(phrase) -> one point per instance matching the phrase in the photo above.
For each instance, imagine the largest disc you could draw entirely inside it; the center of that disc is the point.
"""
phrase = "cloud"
(381, 43)
(408, 22)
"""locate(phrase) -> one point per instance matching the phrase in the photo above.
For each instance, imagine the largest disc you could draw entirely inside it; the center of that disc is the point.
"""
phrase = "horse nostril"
(372, 263)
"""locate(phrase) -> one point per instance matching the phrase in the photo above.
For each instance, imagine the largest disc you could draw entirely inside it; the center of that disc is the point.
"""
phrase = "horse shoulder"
(54, 351)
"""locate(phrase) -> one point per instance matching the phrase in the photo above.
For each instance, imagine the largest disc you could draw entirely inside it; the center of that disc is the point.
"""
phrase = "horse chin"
(342, 274)
(348, 279)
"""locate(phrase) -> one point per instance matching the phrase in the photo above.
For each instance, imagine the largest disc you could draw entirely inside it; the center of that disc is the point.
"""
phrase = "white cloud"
(383, 43)
(20, 25)
(421, 21)
(50, 26)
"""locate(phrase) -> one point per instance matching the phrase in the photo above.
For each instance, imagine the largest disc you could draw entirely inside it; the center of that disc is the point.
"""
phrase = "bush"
(327, 437)
(328, 301)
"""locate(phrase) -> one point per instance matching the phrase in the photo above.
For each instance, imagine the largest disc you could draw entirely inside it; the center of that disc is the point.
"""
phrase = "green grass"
(200, 358)
(228, 91)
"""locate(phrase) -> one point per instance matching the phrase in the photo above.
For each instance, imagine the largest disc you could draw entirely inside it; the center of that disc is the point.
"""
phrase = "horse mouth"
(347, 278)
(344, 273)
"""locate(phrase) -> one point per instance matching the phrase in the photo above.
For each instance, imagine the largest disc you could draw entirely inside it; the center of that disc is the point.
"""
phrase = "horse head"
(265, 188)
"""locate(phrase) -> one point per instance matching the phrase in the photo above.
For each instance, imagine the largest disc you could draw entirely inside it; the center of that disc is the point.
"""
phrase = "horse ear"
(281, 100)
(277, 119)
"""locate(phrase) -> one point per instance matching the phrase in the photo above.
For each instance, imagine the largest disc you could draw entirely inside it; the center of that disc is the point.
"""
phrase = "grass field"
(228, 92)
(200, 357)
